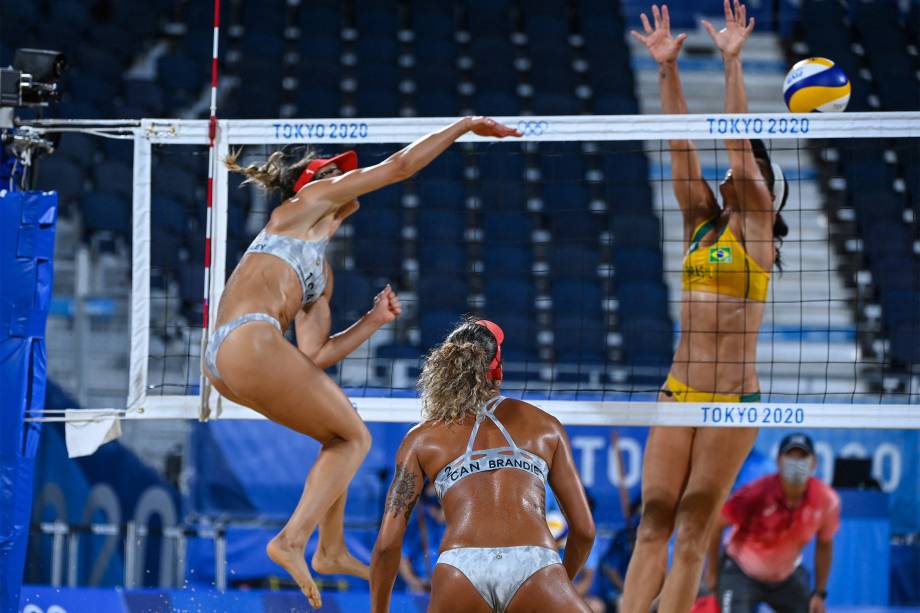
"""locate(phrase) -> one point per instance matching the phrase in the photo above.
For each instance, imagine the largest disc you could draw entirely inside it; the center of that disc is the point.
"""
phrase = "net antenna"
(601, 407)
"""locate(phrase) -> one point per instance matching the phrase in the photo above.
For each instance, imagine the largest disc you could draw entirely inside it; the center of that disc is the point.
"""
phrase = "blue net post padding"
(27, 225)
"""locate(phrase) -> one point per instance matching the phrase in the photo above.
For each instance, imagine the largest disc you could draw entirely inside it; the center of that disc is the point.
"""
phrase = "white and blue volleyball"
(816, 84)
(558, 527)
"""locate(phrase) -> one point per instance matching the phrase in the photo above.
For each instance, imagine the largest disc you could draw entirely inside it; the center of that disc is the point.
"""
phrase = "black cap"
(797, 440)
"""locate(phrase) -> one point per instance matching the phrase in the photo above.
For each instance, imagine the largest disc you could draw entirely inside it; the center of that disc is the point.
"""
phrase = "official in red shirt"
(772, 519)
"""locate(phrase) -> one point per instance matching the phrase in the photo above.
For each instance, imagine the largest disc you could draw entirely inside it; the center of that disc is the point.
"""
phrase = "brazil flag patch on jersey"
(720, 255)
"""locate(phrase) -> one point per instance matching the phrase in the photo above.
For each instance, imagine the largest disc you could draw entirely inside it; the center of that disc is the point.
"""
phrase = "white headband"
(779, 180)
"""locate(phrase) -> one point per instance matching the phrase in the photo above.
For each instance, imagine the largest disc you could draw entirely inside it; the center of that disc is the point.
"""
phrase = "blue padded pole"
(27, 224)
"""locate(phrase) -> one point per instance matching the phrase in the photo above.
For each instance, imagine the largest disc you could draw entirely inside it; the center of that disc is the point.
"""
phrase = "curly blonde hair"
(276, 174)
(454, 382)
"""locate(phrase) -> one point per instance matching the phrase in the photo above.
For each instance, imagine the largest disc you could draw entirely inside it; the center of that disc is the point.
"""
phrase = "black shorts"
(739, 593)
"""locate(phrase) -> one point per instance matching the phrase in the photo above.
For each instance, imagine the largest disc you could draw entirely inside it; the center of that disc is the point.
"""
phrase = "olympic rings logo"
(533, 128)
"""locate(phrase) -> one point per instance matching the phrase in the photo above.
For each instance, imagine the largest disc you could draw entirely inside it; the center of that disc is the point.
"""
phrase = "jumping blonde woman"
(283, 279)
(489, 458)
(730, 251)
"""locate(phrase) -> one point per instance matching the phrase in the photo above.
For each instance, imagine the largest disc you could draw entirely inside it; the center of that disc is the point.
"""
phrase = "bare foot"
(291, 559)
(339, 562)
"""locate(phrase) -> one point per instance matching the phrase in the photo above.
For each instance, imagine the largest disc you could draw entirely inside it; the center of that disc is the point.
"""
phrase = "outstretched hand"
(387, 306)
(730, 39)
(663, 47)
(485, 126)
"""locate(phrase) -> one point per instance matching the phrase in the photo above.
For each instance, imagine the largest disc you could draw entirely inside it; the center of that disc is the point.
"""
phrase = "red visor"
(495, 366)
(345, 161)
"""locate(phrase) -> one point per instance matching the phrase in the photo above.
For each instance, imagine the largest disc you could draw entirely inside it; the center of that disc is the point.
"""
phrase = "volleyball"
(816, 84)
(558, 527)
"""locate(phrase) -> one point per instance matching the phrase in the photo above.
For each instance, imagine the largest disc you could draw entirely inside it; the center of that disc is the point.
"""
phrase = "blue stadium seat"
(441, 225)
(506, 260)
(432, 22)
(378, 49)
(887, 238)
(490, 19)
(573, 260)
(432, 77)
(500, 164)
(579, 339)
(179, 73)
(441, 194)
(648, 341)
(175, 181)
(548, 26)
(582, 296)
(115, 176)
(377, 222)
(905, 345)
(102, 62)
(75, 14)
(900, 307)
(520, 336)
(636, 230)
(372, 102)
(353, 290)
(318, 102)
(629, 199)
(319, 18)
(165, 251)
(637, 264)
(565, 197)
(262, 44)
(625, 168)
(145, 94)
(435, 325)
(445, 292)
(866, 170)
(105, 212)
(508, 295)
(505, 228)
(379, 258)
(448, 165)
(581, 227)
(191, 284)
(436, 104)
(562, 167)
(62, 176)
(78, 148)
(502, 196)
(898, 273)
(320, 51)
(642, 299)
(373, 17)
(437, 257)
(615, 105)
(496, 104)
(389, 198)
(556, 103)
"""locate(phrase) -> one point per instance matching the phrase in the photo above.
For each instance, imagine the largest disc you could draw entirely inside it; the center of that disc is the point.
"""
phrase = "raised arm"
(753, 194)
(403, 494)
(327, 195)
(693, 194)
(570, 494)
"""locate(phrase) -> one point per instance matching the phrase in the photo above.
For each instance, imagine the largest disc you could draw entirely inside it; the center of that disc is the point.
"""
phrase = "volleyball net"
(572, 240)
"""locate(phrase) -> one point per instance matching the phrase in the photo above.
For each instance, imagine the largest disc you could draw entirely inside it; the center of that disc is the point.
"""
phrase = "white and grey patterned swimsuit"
(304, 257)
(495, 572)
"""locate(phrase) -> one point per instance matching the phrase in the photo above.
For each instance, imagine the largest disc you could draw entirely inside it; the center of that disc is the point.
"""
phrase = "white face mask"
(795, 471)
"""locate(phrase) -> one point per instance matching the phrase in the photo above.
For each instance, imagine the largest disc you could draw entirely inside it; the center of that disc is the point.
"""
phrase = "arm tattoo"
(402, 495)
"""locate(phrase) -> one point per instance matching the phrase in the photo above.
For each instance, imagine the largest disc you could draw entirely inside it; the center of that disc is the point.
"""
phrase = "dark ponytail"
(780, 229)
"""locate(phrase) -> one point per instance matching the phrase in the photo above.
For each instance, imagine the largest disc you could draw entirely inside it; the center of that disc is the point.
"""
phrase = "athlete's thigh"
(547, 591)
(666, 464)
(717, 456)
(452, 592)
(273, 377)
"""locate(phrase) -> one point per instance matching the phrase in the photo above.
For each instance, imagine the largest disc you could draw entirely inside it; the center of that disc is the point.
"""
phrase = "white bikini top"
(485, 460)
(305, 257)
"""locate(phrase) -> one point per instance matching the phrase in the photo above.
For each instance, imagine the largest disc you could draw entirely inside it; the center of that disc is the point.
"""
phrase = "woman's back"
(486, 506)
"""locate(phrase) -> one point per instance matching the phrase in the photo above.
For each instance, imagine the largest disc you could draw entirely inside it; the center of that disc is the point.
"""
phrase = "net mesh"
(576, 248)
